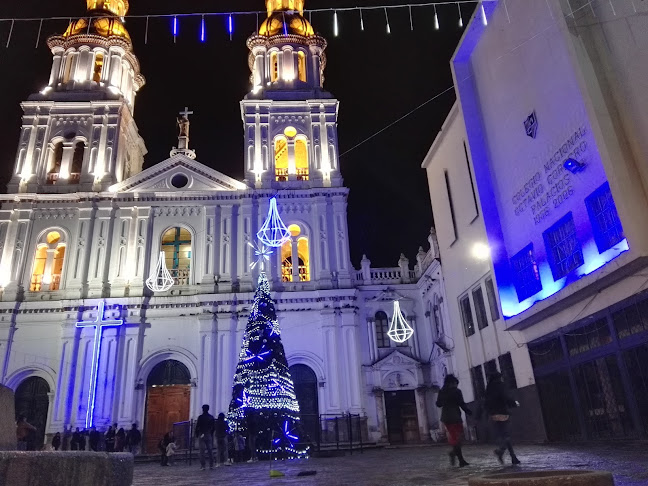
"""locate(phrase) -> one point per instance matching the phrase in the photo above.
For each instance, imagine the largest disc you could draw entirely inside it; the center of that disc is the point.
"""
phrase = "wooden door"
(402, 417)
(165, 405)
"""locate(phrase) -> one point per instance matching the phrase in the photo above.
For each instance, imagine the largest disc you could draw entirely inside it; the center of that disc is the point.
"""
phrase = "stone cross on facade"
(183, 137)
(98, 324)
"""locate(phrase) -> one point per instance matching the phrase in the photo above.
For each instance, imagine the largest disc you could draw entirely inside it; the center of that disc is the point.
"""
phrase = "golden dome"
(285, 5)
(101, 26)
(286, 23)
(116, 7)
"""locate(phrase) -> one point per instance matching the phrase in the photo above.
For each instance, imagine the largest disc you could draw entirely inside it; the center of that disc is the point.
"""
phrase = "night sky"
(377, 78)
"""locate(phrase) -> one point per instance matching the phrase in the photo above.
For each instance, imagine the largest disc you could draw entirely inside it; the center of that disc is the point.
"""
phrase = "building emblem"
(531, 125)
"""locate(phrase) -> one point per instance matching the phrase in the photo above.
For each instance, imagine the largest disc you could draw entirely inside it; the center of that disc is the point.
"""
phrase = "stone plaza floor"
(409, 466)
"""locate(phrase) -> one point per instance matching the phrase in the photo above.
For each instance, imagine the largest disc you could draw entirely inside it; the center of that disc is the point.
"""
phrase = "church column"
(258, 79)
(292, 165)
(421, 411)
(115, 68)
(56, 65)
(225, 358)
(78, 254)
(381, 414)
(245, 253)
(351, 353)
(341, 238)
(208, 279)
(295, 259)
(287, 65)
(225, 264)
(371, 336)
(126, 400)
(320, 244)
(18, 252)
(100, 253)
(207, 379)
(331, 358)
(66, 162)
(47, 272)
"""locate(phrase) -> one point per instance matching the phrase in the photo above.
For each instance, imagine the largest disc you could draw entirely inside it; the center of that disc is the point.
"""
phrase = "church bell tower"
(290, 120)
(78, 133)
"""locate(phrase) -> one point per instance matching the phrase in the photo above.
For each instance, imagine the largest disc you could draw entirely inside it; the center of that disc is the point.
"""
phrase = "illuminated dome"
(103, 26)
(286, 17)
(116, 7)
(286, 23)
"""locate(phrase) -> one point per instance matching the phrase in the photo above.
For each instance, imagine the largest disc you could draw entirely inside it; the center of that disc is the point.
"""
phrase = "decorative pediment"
(396, 360)
(179, 173)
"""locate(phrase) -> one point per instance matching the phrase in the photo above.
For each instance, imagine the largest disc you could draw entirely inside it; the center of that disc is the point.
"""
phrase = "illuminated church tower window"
(290, 120)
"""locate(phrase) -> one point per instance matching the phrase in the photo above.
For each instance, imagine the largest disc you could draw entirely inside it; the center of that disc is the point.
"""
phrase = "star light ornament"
(273, 233)
(399, 330)
(262, 254)
(160, 279)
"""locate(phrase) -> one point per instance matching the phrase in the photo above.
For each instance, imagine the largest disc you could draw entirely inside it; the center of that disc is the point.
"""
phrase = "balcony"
(54, 177)
(302, 174)
(180, 276)
(281, 175)
(36, 283)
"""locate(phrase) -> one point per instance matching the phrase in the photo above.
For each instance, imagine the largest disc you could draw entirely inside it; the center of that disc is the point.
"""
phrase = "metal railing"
(335, 432)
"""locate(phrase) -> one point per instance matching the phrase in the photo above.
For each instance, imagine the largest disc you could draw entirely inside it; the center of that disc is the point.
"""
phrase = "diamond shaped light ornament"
(273, 232)
(399, 330)
(160, 279)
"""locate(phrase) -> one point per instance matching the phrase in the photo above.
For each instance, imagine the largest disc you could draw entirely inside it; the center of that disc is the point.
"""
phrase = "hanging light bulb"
(273, 232)
(203, 32)
(230, 26)
(460, 16)
(160, 279)
(483, 15)
(335, 23)
(361, 21)
(399, 329)
(175, 28)
(387, 19)
(410, 17)
(436, 19)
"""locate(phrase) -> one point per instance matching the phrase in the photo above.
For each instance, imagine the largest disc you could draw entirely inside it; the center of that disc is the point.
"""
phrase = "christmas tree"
(263, 387)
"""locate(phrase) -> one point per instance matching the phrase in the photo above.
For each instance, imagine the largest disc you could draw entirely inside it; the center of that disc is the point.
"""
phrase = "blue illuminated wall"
(547, 226)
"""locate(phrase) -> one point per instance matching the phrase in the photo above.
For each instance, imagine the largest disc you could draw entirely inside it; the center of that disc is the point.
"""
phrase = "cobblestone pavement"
(408, 466)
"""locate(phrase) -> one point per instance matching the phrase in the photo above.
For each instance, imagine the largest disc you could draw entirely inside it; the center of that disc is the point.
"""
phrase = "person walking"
(451, 402)
(205, 426)
(23, 431)
(221, 440)
(56, 441)
(251, 425)
(110, 438)
(134, 440)
(497, 404)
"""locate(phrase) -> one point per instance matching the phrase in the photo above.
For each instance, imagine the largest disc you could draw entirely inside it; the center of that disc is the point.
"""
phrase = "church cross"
(186, 112)
(98, 324)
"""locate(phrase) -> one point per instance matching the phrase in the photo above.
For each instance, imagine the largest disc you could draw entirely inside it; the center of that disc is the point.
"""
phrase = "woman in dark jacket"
(451, 402)
(498, 403)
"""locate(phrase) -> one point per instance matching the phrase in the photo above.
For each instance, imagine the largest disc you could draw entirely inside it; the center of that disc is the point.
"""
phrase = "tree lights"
(263, 391)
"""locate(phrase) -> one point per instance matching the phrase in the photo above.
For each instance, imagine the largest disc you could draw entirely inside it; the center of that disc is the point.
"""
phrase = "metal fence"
(335, 431)
(183, 433)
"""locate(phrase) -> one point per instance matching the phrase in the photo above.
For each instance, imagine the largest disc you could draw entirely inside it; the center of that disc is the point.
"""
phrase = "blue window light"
(564, 251)
(604, 218)
(526, 276)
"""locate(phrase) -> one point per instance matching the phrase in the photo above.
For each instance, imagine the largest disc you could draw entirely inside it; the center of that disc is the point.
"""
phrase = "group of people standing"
(114, 439)
(496, 404)
(209, 428)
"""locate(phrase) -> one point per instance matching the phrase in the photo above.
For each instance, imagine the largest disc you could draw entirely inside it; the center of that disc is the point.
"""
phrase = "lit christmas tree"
(263, 386)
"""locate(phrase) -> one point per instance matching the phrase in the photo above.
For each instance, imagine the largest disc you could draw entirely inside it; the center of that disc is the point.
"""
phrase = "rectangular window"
(452, 211)
(588, 337)
(564, 251)
(508, 373)
(546, 352)
(480, 308)
(490, 368)
(492, 300)
(466, 316)
(526, 276)
(477, 378)
(604, 218)
(631, 320)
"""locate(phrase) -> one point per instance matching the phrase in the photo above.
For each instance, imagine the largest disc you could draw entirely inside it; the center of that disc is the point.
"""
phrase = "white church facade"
(82, 226)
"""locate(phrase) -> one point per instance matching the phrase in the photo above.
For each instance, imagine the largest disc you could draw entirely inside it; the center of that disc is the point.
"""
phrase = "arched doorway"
(305, 381)
(168, 397)
(32, 401)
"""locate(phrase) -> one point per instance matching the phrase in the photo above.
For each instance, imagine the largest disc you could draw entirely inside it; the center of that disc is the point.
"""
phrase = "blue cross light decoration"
(273, 233)
(98, 324)
(288, 436)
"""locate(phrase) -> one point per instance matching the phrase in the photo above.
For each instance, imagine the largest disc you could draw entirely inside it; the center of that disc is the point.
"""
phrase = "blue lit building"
(538, 184)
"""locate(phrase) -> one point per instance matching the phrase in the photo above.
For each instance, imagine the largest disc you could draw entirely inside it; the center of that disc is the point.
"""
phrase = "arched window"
(301, 159)
(295, 249)
(382, 327)
(274, 66)
(48, 263)
(301, 66)
(176, 245)
(77, 163)
(281, 159)
(98, 67)
(54, 166)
